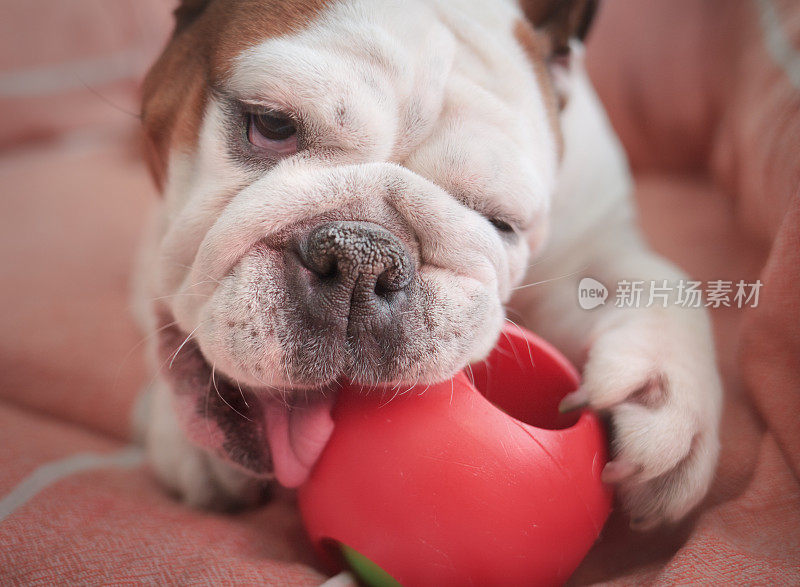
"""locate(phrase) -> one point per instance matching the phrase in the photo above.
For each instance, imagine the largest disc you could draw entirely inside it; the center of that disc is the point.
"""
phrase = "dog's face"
(351, 188)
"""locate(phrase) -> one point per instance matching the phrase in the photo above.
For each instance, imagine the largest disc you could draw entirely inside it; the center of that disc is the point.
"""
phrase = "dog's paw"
(656, 379)
(197, 477)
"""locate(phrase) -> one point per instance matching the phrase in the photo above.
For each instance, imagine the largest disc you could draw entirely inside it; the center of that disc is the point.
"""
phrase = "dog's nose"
(358, 263)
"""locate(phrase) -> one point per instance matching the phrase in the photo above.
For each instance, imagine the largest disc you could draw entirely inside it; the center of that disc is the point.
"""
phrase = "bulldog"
(364, 190)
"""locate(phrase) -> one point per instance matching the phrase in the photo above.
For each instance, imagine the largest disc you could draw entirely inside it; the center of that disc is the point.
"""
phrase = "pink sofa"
(706, 102)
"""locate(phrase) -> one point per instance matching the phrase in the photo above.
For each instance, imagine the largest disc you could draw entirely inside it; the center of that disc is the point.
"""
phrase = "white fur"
(201, 479)
(441, 104)
(666, 453)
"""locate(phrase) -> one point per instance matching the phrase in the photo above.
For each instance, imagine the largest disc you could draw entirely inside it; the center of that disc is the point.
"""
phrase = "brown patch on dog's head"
(560, 20)
(536, 45)
(208, 35)
(545, 38)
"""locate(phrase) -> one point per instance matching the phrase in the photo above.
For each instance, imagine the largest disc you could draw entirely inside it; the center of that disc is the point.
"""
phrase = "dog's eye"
(272, 131)
(502, 226)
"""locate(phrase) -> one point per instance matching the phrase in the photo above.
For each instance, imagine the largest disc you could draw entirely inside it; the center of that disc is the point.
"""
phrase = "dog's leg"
(199, 478)
(652, 369)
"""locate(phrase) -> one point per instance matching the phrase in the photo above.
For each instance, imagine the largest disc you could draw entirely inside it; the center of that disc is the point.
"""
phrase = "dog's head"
(351, 188)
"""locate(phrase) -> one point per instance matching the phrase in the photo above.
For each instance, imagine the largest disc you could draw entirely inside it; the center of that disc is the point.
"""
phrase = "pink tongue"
(296, 438)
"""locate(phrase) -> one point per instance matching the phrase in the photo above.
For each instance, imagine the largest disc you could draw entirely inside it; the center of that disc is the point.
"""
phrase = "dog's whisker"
(513, 347)
(199, 283)
(471, 374)
(190, 268)
(385, 390)
(288, 375)
(263, 383)
(517, 313)
(527, 342)
(205, 414)
(527, 285)
(175, 354)
(391, 398)
(171, 356)
(242, 393)
(176, 295)
(488, 369)
(540, 260)
(284, 391)
(216, 388)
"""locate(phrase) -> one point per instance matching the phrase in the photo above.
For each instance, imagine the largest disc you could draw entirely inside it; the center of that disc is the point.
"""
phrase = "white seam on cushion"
(343, 579)
(778, 46)
(49, 473)
(72, 75)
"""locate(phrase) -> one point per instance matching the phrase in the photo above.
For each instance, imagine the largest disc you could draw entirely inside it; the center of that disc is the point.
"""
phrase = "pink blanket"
(707, 103)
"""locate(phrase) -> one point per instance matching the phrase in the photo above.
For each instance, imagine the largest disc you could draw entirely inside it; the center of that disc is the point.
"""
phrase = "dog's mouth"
(220, 379)
(268, 432)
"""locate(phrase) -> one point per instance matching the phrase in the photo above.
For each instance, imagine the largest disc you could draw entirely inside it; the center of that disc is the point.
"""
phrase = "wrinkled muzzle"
(313, 273)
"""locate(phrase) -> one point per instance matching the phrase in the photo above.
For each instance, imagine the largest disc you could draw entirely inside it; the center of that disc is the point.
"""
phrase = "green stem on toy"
(366, 570)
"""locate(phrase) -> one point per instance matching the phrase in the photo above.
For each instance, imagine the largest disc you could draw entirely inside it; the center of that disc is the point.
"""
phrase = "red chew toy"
(455, 485)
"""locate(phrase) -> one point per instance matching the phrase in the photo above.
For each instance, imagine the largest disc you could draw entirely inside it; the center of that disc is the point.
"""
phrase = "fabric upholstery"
(711, 119)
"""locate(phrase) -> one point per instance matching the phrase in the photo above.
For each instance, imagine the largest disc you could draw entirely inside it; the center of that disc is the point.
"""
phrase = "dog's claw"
(616, 471)
(576, 400)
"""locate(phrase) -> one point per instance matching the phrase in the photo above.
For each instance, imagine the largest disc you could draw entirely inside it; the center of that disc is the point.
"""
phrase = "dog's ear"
(174, 90)
(561, 20)
(187, 12)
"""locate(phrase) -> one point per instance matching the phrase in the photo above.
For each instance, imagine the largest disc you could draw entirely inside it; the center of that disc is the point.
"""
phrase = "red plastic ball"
(462, 483)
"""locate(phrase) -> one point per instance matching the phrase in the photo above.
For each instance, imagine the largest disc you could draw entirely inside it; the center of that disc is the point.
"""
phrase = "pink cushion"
(67, 66)
(712, 125)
